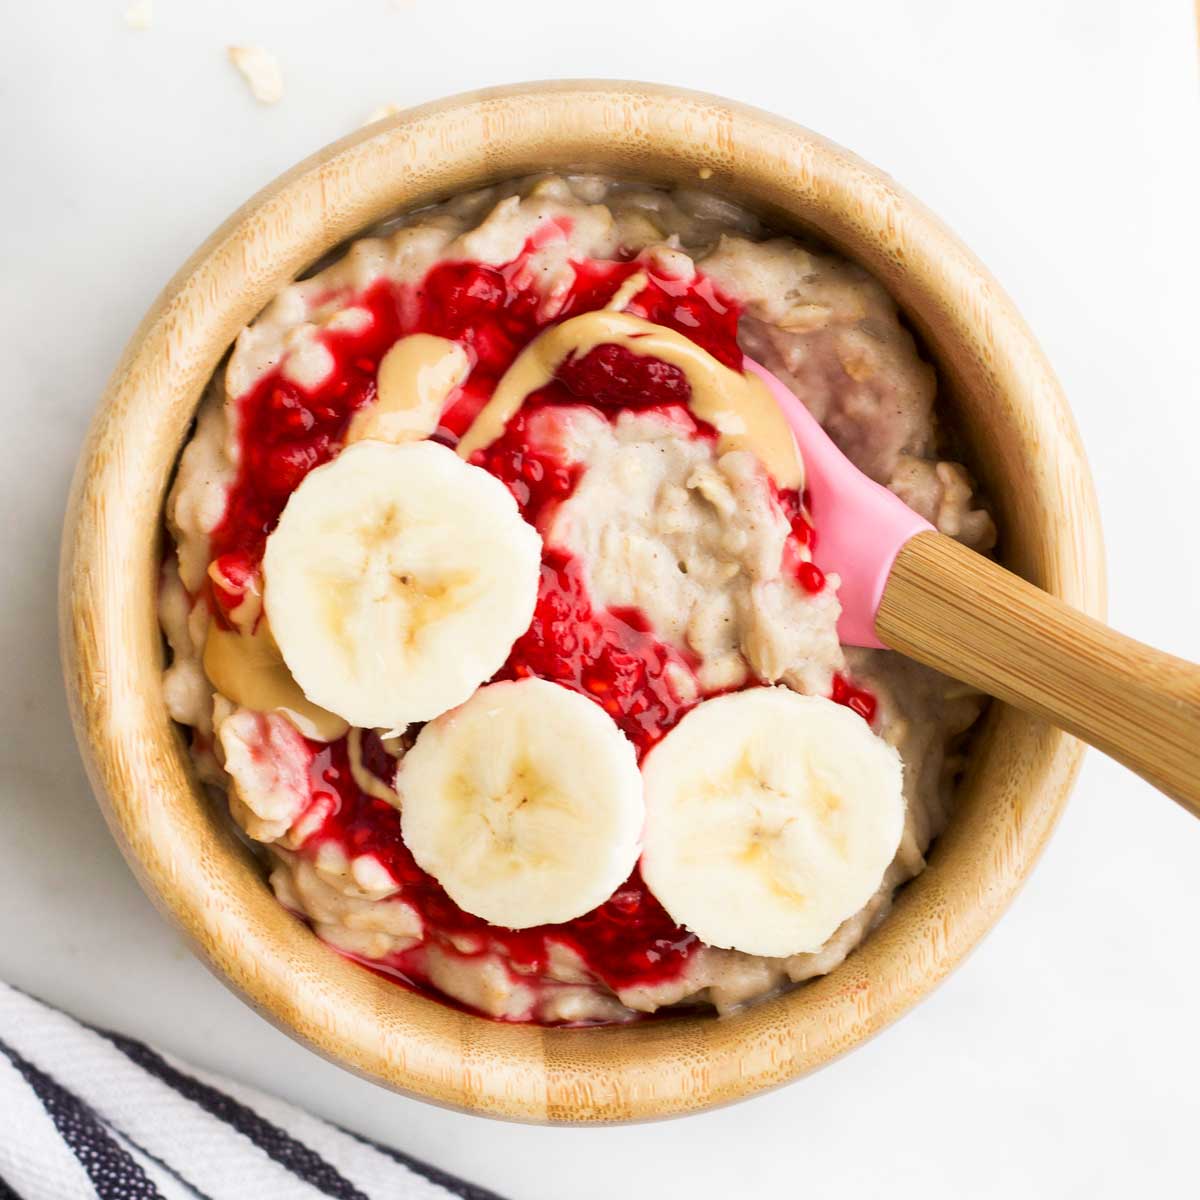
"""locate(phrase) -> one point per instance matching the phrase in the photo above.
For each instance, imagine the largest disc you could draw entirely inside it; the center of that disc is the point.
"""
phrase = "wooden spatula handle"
(961, 613)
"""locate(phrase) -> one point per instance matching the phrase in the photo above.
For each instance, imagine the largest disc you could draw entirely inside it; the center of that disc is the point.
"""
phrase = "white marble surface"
(1059, 137)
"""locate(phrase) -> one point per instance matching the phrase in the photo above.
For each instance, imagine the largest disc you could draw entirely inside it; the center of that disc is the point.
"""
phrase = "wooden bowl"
(1023, 444)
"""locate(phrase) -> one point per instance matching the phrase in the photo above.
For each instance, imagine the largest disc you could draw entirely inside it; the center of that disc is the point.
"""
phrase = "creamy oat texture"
(661, 521)
(695, 541)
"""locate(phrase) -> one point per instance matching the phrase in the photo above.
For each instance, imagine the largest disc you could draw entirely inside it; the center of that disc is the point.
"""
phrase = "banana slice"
(770, 818)
(397, 580)
(525, 804)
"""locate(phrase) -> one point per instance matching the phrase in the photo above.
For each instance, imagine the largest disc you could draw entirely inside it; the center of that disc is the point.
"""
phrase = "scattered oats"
(140, 14)
(705, 172)
(382, 113)
(260, 70)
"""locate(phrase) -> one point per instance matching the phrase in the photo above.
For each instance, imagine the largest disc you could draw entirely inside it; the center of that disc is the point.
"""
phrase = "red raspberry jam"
(229, 577)
(536, 480)
(614, 377)
(610, 655)
(857, 699)
(628, 940)
(797, 509)
(812, 578)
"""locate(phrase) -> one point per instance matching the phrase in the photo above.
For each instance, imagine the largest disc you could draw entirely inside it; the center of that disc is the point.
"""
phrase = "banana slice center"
(514, 816)
(392, 583)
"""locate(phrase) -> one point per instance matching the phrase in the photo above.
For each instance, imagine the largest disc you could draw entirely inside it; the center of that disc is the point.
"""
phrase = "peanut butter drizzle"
(737, 405)
(626, 292)
(249, 669)
(366, 780)
(416, 377)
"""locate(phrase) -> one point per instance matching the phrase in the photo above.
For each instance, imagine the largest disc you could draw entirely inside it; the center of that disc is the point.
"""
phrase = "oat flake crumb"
(260, 70)
(140, 14)
(382, 113)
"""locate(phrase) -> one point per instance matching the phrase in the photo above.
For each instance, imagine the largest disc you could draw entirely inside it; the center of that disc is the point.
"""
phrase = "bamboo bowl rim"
(181, 848)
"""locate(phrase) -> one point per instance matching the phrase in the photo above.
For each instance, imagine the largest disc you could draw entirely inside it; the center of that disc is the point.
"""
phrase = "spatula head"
(860, 525)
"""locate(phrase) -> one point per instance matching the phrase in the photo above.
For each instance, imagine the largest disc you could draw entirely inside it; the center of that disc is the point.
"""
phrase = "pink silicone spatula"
(906, 587)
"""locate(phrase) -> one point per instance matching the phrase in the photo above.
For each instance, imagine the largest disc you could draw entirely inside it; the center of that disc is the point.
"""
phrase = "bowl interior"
(1021, 442)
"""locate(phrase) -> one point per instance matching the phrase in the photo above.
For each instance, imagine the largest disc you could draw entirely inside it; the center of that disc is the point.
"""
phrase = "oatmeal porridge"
(493, 611)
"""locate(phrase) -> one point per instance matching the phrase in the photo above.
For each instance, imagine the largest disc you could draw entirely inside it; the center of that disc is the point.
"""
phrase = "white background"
(1060, 138)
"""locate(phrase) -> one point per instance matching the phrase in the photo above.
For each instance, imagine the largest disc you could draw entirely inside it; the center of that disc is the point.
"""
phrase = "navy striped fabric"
(273, 1141)
(104, 1115)
(109, 1166)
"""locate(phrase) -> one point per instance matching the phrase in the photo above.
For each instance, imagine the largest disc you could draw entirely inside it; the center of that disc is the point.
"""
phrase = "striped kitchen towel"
(89, 1113)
